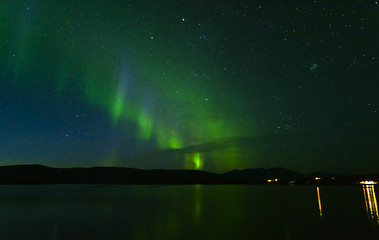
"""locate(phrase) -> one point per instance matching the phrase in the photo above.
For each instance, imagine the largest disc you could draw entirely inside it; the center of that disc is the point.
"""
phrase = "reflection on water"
(201, 212)
(319, 201)
(371, 204)
(370, 201)
(197, 203)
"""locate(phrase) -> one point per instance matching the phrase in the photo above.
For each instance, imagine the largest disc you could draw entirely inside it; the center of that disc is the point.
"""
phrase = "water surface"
(188, 212)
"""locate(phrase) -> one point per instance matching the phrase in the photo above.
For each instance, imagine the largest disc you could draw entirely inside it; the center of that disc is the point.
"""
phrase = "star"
(314, 67)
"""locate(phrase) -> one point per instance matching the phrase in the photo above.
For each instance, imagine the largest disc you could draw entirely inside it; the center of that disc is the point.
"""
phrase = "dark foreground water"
(188, 212)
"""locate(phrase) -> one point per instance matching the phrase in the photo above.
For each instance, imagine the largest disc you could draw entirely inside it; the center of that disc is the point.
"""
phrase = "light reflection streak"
(319, 201)
(371, 203)
(198, 201)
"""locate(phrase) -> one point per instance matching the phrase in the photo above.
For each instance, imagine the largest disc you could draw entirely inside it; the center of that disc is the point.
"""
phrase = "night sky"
(210, 85)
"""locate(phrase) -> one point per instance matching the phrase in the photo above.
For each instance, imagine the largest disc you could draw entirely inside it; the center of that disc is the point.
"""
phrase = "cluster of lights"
(273, 180)
(368, 182)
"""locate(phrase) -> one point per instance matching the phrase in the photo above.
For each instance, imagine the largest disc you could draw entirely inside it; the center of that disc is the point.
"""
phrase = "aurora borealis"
(212, 85)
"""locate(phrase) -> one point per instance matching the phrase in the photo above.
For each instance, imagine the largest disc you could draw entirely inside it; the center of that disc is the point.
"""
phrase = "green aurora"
(198, 85)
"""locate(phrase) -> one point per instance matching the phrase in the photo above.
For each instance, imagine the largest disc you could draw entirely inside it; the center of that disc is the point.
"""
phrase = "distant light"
(273, 180)
(317, 178)
(368, 182)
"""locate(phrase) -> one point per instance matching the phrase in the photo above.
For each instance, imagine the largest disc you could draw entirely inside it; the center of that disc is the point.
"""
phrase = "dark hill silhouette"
(261, 174)
(39, 174)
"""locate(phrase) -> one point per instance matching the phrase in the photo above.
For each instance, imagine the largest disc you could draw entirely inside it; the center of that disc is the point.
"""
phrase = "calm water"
(188, 212)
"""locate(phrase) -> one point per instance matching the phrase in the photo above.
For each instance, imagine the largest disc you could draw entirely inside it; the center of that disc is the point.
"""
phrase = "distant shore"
(39, 174)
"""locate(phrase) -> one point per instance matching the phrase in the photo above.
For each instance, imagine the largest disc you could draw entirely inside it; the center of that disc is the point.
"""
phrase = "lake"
(188, 212)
